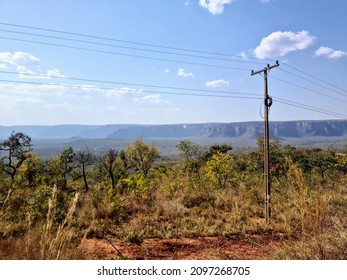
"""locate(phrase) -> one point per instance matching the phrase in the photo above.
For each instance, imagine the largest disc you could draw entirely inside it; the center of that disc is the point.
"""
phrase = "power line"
(308, 89)
(126, 41)
(128, 48)
(309, 108)
(315, 83)
(156, 51)
(314, 77)
(221, 55)
(155, 46)
(126, 83)
(204, 92)
(90, 87)
(123, 54)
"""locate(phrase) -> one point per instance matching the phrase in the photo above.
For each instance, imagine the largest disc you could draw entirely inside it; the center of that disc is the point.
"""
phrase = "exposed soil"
(251, 247)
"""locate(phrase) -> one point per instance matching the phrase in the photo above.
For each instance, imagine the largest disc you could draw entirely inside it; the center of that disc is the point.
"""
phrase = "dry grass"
(309, 213)
(46, 242)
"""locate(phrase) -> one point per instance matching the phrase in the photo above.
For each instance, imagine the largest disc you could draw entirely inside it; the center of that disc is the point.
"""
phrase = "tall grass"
(310, 214)
(307, 215)
(48, 241)
(55, 242)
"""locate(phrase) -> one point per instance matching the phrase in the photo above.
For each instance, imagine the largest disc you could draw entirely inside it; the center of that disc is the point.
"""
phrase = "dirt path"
(252, 247)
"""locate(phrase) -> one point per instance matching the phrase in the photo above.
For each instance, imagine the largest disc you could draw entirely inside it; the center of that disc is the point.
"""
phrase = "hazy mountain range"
(247, 130)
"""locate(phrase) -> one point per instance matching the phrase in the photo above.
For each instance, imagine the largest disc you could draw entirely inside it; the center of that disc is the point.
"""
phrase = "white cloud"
(217, 83)
(152, 98)
(215, 7)
(119, 91)
(280, 43)
(55, 73)
(330, 53)
(167, 71)
(23, 61)
(183, 73)
(24, 72)
(18, 58)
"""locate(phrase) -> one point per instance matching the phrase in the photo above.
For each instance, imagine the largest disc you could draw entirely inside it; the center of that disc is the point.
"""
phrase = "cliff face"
(246, 130)
(295, 129)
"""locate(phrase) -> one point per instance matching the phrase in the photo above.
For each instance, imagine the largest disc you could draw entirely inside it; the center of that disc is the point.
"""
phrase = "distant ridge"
(248, 130)
(295, 129)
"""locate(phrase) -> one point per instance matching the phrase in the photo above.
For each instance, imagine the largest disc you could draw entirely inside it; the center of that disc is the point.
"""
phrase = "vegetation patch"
(70, 206)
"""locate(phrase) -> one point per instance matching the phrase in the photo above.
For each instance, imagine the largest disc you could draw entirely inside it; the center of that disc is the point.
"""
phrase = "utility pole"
(267, 105)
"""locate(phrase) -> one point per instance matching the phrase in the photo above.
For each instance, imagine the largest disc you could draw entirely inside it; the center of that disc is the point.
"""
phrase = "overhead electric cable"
(236, 96)
(125, 41)
(127, 47)
(310, 108)
(314, 77)
(156, 49)
(90, 87)
(315, 83)
(123, 54)
(124, 83)
(308, 89)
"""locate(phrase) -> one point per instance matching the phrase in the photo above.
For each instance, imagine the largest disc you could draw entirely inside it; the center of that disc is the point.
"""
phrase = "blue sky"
(170, 61)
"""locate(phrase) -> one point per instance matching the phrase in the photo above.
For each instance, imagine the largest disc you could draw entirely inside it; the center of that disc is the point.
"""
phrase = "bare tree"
(109, 161)
(84, 158)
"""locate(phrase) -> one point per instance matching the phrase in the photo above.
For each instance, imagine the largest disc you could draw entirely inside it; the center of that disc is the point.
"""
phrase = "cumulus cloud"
(330, 53)
(24, 63)
(183, 73)
(18, 58)
(25, 73)
(217, 83)
(280, 43)
(215, 7)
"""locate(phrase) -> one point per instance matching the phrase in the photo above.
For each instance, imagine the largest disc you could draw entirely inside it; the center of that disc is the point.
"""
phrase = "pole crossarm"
(267, 68)
(268, 103)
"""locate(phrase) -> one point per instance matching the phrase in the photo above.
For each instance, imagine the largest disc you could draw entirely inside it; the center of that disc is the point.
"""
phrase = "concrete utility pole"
(268, 103)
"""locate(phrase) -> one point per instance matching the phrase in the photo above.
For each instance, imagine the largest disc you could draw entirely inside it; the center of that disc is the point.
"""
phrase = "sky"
(171, 61)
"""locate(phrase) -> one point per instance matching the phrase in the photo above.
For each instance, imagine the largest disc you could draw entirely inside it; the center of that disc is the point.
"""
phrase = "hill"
(247, 130)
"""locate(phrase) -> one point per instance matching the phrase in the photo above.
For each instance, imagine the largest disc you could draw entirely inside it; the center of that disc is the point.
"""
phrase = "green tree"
(341, 159)
(192, 155)
(141, 156)
(59, 168)
(31, 170)
(324, 161)
(16, 148)
(66, 160)
(215, 149)
(220, 169)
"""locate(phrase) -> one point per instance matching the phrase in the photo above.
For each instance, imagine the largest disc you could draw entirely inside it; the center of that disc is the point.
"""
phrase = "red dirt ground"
(252, 247)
